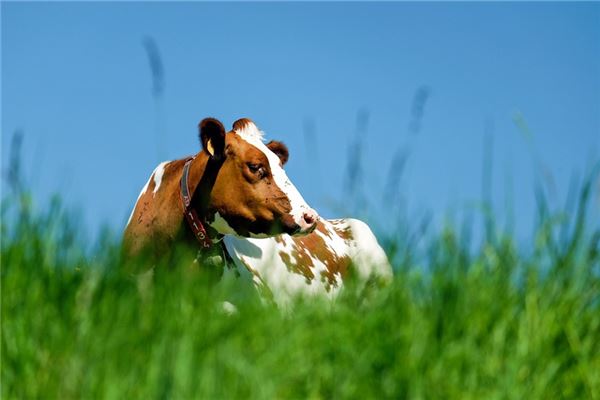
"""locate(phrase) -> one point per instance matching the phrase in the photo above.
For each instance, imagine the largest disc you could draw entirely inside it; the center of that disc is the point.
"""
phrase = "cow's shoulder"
(166, 179)
(156, 211)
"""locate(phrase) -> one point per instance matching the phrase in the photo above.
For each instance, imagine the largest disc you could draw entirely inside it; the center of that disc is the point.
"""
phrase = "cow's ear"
(212, 137)
(280, 149)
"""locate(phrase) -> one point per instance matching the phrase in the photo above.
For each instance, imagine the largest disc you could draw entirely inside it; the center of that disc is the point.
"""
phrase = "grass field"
(491, 323)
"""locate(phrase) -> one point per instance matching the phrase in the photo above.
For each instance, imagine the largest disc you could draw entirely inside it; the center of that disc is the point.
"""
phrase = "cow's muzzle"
(302, 226)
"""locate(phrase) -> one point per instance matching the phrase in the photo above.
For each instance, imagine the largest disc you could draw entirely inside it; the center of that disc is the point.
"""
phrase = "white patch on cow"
(220, 225)
(367, 255)
(320, 280)
(262, 258)
(251, 134)
(158, 175)
(144, 189)
(287, 248)
(251, 131)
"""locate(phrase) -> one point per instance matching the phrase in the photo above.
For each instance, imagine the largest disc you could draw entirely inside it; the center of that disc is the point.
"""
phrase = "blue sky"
(76, 80)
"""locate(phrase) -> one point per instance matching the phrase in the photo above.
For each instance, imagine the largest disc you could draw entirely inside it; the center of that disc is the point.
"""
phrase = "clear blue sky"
(76, 80)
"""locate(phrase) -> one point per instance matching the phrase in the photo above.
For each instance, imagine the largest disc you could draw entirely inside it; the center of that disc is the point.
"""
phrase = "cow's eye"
(257, 170)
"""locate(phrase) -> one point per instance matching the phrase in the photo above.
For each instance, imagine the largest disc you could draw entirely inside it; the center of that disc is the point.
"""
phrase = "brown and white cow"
(254, 215)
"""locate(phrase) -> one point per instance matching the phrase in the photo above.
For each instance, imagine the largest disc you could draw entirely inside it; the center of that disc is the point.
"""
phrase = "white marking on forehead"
(158, 175)
(251, 134)
(250, 131)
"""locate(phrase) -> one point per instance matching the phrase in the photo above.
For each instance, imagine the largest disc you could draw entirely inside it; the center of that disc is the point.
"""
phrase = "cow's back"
(315, 264)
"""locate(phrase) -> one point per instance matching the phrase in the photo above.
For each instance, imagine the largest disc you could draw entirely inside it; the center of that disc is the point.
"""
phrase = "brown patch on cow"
(335, 264)
(303, 263)
(343, 231)
(311, 247)
(302, 266)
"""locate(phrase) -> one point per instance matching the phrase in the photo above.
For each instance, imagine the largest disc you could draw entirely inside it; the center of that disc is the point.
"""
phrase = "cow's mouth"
(284, 224)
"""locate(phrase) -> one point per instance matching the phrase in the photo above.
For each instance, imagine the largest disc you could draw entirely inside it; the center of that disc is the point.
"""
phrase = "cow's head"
(252, 195)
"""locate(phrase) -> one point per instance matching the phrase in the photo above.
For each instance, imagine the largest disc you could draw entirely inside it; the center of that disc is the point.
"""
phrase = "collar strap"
(188, 211)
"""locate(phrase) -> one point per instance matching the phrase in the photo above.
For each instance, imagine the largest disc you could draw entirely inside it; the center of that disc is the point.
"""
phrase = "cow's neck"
(201, 179)
(202, 176)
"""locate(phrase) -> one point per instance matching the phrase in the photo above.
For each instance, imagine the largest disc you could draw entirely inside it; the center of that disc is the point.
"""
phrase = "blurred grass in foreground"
(490, 323)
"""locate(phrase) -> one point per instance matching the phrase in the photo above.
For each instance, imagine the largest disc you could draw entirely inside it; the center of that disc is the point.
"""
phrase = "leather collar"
(189, 212)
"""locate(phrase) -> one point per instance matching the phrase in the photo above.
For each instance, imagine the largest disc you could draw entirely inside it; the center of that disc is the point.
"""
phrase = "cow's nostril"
(308, 218)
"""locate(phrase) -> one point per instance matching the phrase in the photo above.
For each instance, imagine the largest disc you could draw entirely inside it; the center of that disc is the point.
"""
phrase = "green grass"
(485, 324)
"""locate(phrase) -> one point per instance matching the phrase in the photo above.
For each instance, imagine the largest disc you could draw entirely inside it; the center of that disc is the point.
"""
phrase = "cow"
(234, 207)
